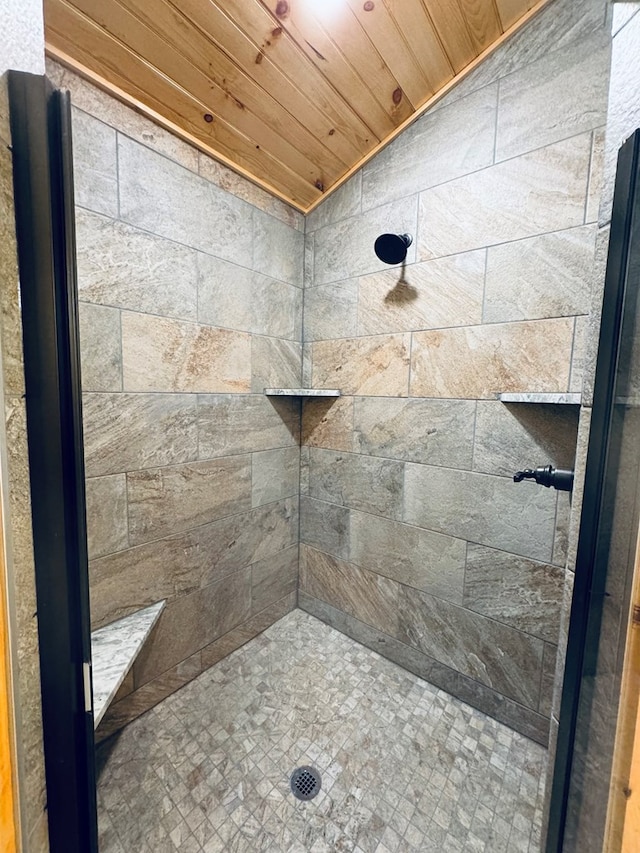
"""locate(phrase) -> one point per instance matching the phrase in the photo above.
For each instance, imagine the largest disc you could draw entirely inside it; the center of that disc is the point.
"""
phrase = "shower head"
(392, 248)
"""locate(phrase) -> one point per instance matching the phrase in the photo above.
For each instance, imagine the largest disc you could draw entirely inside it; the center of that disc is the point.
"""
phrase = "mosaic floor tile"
(405, 767)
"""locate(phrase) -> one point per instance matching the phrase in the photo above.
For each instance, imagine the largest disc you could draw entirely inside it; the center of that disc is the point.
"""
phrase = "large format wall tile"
(360, 482)
(538, 192)
(374, 365)
(230, 424)
(561, 95)
(274, 475)
(168, 355)
(121, 266)
(445, 144)
(365, 595)
(162, 501)
(328, 422)
(278, 249)
(341, 204)
(126, 432)
(331, 311)
(275, 363)
(94, 164)
(238, 298)
(345, 249)
(543, 276)
(513, 436)
(483, 361)
(273, 579)
(515, 591)
(431, 295)
(494, 654)
(325, 526)
(169, 200)
(107, 527)
(190, 622)
(410, 555)
(493, 511)
(100, 347)
(438, 432)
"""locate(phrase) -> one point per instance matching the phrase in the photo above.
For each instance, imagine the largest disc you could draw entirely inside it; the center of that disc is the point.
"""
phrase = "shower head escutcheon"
(392, 248)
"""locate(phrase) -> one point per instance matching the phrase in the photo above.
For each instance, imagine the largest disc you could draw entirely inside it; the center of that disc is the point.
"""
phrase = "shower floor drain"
(305, 783)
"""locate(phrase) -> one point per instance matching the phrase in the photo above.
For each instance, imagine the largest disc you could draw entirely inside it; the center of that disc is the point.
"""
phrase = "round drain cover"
(305, 783)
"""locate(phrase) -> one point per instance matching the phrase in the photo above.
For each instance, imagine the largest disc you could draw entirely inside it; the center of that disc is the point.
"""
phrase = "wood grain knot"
(282, 8)
(369, 6)
(397, 96)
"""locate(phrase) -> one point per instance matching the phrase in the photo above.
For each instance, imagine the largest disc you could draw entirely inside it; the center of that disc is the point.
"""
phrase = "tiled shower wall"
(190, 304)
(415, 539)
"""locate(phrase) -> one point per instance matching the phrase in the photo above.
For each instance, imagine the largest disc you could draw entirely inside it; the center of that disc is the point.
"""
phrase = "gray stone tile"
(376, 365)
(273, 579)
(341, 204)
(484, 361)
(100, 348)
(328, 422)
(229, 424)
(517, 592)
(541, 191)
(127, 432)
(345, 249)
(548, 678)
(622, 14)
(512, 436)
(430, 295)
(237, 298)
(107, 529)
(410, 555)
(359, 482)
(494, 654)
(161, 354)
(162, 501)
(592, 334)
(95, 170)
(437, 432)
(331, 311)
(166, 199)
(278, 249)
(275, 363)
(487, 510)
(364, 595)
(439, 147)
(127, 268)
(325, 526)
(544, 276)
(190, 622)
(561, 95)
(274, 475)
(596, 175)
(10, 300)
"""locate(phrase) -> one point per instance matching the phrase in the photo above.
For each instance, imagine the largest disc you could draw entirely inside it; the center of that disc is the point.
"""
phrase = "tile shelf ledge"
(302, 392)
(560, 398)
(113, 651)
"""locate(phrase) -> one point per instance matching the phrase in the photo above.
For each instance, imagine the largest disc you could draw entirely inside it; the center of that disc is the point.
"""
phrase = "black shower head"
(392, 248)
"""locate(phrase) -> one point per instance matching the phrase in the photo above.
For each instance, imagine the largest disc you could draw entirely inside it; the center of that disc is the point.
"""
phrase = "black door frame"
(45, 227)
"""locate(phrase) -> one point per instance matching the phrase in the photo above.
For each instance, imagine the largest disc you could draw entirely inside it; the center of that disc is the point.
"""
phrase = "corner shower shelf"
(562, 399)
(302, 392)
(114, 649)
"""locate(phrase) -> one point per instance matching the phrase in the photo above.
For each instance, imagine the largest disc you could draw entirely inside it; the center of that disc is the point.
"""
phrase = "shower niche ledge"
(302, 392)
(113, 651)
(560, 398)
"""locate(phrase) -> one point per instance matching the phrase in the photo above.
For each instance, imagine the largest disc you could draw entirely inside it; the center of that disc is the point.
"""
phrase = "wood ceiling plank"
(483, 22)
(259, 23)
(269, 62)
(451, 27)
(511, 11)
(412, 20)
(384, 34)
(344, 55)
(68, 32)
(257, 117)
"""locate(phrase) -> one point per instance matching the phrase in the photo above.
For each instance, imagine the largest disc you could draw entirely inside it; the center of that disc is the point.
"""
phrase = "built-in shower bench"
(114, 649)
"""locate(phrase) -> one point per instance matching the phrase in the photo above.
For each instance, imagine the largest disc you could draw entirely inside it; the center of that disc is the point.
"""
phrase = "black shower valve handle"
(548, 476)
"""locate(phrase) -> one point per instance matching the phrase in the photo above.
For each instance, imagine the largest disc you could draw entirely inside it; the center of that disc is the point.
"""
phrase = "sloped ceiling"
(293, 94)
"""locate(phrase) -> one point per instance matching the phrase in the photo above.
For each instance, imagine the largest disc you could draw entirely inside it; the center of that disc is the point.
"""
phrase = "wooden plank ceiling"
(293, 94)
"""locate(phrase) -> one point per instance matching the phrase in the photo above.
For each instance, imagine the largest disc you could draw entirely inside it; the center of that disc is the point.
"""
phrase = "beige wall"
(190, 304)
(415, 539)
